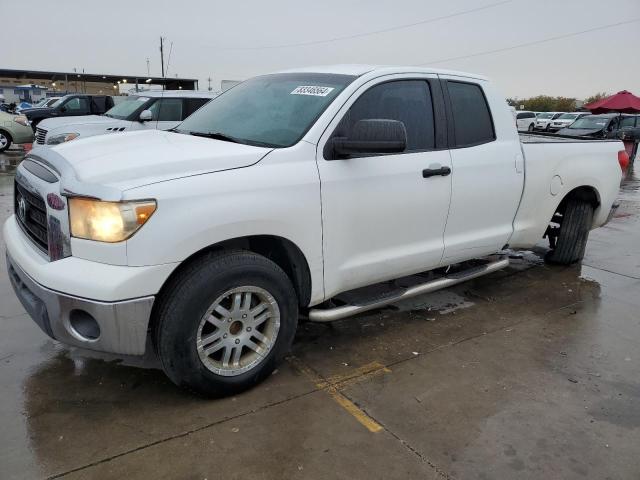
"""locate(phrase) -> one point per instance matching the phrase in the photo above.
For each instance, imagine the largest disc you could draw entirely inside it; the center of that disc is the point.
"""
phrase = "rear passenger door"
(487, 171)
(382, 218)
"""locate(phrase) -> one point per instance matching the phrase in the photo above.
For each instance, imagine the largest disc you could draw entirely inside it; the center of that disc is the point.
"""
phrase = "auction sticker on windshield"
(316, 91)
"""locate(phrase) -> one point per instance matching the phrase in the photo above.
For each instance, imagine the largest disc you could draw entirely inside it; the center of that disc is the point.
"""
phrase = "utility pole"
(209, 80)
(148, 69)
(162, 55)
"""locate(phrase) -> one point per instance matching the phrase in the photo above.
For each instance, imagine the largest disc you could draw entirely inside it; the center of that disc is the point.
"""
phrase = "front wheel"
(569, 241)
(530, 127)
(5, 141)
(225, 323)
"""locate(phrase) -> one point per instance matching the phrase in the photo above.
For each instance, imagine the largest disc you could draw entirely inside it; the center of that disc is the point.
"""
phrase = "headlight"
(63, 137)
(108, 221)
(22, 120)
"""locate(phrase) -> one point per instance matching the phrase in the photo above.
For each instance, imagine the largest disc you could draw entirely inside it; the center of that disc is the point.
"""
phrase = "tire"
(573, 235)
(185, 324)
(531, 127)
(5, 140)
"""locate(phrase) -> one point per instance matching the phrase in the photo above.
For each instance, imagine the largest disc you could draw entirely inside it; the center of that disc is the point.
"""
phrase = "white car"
(525, 121)
(46, 102)
(278, 197)
(544, 119)
(565, 120)
(161, 110)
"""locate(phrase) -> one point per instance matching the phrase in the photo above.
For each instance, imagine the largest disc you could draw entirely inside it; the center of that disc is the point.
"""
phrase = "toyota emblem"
(22, 209)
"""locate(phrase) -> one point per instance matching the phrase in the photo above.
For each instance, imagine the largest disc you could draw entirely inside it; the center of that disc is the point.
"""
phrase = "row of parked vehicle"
(80, 116)
(577, 124)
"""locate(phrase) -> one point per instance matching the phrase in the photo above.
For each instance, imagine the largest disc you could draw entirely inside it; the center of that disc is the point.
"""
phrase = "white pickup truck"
(286, 195)
(161, 110)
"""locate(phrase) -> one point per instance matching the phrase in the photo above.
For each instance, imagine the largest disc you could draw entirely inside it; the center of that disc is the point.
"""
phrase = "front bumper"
(122, 325)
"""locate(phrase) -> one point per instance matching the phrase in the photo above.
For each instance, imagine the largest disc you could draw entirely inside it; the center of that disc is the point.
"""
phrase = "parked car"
(525, 121)
(13, 129)
(46, 102)
(544, 119)
(279, 196)
(70, 106)
(606, 125)
(23, 106)
(565, 120)
(160, 110)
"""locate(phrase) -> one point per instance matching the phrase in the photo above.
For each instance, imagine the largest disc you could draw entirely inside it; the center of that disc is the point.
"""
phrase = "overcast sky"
(239, 39)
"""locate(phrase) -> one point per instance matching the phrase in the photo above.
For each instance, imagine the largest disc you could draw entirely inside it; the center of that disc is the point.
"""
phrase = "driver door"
(382, 219)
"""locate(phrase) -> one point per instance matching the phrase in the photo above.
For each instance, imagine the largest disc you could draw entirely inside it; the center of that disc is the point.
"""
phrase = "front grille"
(41, 135)
(31, 213)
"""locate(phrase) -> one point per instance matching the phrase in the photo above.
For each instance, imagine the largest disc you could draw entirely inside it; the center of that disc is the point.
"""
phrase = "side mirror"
(63, 109)
(146, 116)
(371, 136)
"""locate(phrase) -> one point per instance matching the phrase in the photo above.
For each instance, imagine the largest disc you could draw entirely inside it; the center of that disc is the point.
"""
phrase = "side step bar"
(344, 311)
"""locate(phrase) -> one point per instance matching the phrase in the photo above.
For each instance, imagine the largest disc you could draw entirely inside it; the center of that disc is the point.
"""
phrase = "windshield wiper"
(217, 136)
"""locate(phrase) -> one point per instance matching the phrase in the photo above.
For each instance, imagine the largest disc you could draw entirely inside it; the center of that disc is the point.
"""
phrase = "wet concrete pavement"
(533, 372)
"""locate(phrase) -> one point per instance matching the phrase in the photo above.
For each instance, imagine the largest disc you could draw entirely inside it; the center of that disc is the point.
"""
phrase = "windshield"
(123, 110)
(57, 103)
(545, 116)
(568, 116)
(41, 103)
(270, 110)
(590, 122)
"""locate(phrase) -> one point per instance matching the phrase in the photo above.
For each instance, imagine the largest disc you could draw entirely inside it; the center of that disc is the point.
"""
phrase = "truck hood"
(36, 112)
(54, 123)
(128, 160)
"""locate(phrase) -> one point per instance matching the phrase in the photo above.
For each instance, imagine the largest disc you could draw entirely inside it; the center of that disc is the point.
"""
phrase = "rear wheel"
(530, 129)
(225, 323)
(5, 141)
(569, 241)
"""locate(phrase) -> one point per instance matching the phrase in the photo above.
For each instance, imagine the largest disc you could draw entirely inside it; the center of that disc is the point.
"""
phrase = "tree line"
(546, 103)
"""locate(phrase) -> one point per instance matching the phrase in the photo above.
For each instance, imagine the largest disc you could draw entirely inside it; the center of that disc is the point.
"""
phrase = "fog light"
(84, 326)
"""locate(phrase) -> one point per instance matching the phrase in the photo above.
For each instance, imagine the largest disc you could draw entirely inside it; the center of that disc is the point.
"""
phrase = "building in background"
(32, 85)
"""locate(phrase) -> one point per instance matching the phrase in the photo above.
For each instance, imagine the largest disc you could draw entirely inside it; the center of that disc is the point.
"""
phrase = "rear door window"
(193, 104)
(628, 122)
(472, 122)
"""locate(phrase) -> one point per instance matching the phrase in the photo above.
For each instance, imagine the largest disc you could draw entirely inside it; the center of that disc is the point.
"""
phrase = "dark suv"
(70, 106)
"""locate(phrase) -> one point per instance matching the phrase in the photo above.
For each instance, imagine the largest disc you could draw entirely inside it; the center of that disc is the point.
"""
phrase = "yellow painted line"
(336, 382)
(356, 412)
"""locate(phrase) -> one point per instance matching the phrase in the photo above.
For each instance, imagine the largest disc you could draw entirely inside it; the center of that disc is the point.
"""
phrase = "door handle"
(433, 172)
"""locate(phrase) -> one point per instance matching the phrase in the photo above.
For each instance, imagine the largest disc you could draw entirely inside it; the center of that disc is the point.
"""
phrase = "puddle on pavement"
(630, 184)
(9, 160)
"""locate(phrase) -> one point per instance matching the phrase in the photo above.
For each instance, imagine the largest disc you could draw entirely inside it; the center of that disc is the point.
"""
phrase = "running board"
(344, 311)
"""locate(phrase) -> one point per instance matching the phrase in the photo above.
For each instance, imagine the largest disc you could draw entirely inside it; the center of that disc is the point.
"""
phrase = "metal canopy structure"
(169, 83)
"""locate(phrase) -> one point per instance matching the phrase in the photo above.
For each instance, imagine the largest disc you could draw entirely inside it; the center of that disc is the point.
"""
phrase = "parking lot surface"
(530, 373)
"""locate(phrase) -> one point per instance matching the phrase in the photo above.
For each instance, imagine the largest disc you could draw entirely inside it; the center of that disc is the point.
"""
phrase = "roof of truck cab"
(358, 70)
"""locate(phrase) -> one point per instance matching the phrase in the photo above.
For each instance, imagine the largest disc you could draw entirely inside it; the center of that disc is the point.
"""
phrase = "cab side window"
(167, 110)
(407, 101)
(77, 106)
(472, 122)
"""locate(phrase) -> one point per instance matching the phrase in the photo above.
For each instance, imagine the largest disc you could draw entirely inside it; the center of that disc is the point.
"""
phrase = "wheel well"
(281, 251)
(585, 193)
(7, 134)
